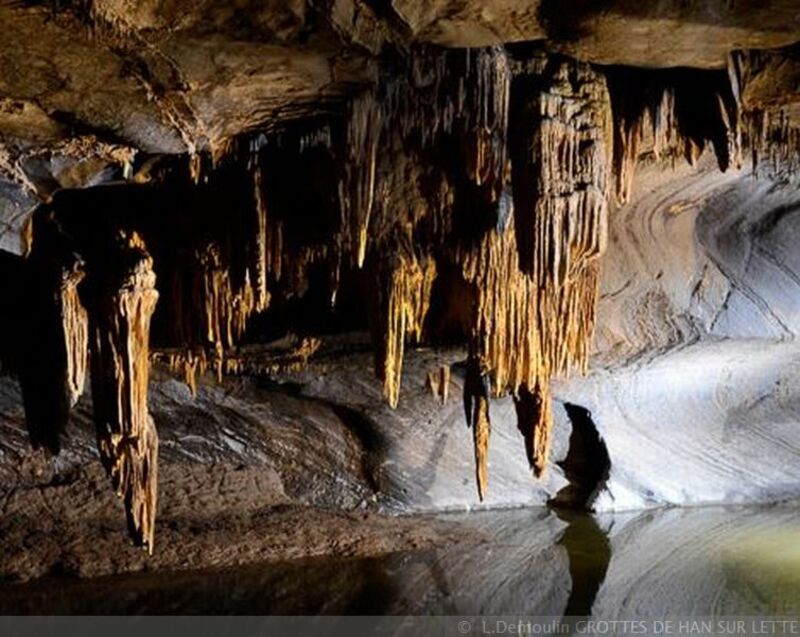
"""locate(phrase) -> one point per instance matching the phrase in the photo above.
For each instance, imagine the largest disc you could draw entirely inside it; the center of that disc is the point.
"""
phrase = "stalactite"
(671, 114)
(525, 333)
(640, 109)
(462, 94)
(261, 252)
(75, 325)
(404, 298)
(505, 325)
(534, 421)
(225, 309)
(52, 364)
(560, 172)
(121, 298)
(486, 84)
(535, 275)
(476, 407)
(190, 363)
(774, 144)
(270, 361)
(357, 185)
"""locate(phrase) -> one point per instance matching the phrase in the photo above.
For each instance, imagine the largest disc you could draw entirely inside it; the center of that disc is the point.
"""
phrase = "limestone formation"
(53, 361)
(121, 302)
(438, 382)
(440, 174)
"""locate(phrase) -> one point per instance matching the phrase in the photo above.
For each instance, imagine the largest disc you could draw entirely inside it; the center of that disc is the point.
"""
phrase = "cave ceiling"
(86, 85)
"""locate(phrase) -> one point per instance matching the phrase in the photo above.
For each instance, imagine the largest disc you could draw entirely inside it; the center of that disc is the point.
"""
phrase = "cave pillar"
(121, 298)
(53, 336)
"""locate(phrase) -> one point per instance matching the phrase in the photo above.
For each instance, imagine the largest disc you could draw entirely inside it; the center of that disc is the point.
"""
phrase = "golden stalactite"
(669, 116)
(122, 301)
(261, 250)
(357, 185)
(651, 117)
(534, 421)
(505, 326)
(225, 310)
(563, 140)
(476, 407)
(524, 335)
(252, 360)
(75, 326)
(488, 78)
(191, 363)
(403, 305)
(536, 279)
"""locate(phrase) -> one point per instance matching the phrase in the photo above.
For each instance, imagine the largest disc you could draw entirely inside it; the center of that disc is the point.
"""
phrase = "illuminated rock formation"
(404, 298)
(121, 299)
(323, 168)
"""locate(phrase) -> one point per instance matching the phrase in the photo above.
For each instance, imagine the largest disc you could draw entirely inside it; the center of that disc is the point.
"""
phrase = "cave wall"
(694, 386)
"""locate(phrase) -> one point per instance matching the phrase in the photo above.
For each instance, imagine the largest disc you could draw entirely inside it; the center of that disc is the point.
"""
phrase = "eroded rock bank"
(248, 474)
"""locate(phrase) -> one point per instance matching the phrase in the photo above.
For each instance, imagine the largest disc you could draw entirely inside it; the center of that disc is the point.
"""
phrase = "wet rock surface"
(710, 561)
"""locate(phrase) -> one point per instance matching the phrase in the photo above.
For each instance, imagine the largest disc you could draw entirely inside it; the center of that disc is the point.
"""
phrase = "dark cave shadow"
(589, 554)
(327, 585)
(586, 467)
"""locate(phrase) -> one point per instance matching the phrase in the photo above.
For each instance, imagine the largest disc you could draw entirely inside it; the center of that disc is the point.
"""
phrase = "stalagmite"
(438, 382)
(121, 298)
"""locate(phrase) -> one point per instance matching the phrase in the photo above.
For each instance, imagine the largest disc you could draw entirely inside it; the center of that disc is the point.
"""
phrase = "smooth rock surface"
(694, 385)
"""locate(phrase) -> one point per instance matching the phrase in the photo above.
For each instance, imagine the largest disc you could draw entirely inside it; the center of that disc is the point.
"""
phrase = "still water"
(700, 561)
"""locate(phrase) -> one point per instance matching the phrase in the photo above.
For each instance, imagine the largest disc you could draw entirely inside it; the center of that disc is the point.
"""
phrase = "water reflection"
(707, 561)
(589, 553)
